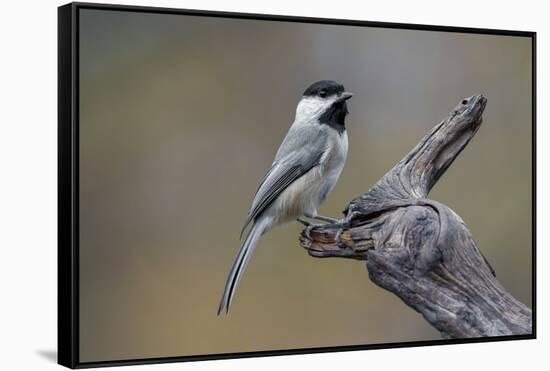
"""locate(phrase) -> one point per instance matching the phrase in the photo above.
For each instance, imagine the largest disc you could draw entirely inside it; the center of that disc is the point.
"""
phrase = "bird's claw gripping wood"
(308, 227)
(333, 239)
(420, 249)
(330, 240)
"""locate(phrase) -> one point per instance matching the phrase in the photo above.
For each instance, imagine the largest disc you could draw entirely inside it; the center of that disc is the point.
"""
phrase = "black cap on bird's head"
(336, 112)
(324, 88)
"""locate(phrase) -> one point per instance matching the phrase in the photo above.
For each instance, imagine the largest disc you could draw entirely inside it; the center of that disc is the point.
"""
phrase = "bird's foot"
(327, 219)
(309, 226)
(343, 224)
(304, 222)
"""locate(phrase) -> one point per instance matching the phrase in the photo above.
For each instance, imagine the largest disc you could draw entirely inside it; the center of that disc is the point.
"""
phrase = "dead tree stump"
(418, 248)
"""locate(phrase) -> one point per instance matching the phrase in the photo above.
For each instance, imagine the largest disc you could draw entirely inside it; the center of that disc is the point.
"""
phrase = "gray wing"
(298, 154)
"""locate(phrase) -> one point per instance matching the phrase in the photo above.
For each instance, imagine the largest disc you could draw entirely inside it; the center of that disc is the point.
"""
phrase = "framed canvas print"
(235, 185)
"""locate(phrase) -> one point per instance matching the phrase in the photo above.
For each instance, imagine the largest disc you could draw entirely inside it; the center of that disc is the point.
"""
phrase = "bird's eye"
(323, 93)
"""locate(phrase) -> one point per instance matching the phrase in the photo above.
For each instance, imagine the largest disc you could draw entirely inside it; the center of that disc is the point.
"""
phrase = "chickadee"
(306, 168)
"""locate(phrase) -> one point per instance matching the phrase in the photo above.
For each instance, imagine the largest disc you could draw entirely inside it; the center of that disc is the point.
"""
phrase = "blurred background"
(180, 118)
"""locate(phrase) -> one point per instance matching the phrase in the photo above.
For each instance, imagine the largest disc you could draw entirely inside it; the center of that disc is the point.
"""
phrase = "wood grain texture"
(419, 249)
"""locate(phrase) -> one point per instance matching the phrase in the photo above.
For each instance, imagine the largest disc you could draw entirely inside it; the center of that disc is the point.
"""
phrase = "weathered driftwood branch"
(419, 249)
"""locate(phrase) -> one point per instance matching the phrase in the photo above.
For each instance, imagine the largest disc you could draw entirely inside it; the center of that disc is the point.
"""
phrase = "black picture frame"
(68, 182)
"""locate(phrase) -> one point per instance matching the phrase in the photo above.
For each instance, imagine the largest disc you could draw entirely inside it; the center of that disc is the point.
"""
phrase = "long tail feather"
(239, 265)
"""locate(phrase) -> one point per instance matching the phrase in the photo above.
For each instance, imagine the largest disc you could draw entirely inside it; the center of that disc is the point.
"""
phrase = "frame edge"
(67, 293)
(68, 315)
(300, 19)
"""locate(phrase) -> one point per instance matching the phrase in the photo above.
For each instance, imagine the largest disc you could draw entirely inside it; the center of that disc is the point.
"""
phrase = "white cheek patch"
(312, 107)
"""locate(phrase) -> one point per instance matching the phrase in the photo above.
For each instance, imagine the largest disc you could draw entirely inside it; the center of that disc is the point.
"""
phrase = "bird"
(306, 167)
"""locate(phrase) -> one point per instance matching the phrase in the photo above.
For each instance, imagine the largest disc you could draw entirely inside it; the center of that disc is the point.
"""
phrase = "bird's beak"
(344, 96)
